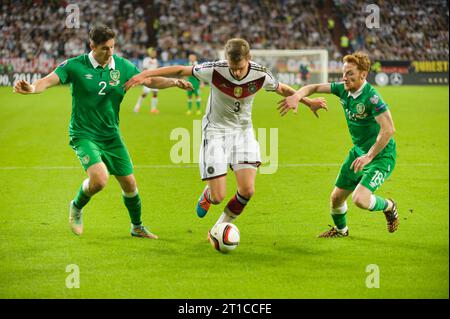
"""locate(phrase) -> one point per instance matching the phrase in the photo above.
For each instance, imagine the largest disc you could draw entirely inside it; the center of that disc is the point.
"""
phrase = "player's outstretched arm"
(164, 83)
(176, 70)
(314, 104)
(38, 86)
(291, 102)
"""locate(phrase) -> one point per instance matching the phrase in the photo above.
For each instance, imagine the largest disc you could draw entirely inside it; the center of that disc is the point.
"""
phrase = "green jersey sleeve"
(377, 105)
(63, 72)
(131, 70)
(337, 88)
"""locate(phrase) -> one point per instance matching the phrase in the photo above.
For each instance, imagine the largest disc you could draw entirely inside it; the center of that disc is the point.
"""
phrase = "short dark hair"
(100, 34)
(237, 49)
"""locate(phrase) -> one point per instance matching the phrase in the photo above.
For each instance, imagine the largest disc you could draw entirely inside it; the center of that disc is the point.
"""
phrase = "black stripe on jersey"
(210, 107)
(262, 69)
(257, 66)
(278, 84)
(214, 64)
(192, 71)
(205, 143)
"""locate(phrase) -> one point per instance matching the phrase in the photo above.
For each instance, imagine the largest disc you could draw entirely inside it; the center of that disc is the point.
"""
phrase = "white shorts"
(147, 90)
(218, 151)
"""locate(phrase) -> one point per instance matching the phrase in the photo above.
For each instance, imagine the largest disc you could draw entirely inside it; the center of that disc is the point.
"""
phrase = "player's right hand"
(290, 102)
(136, 80)
(184, 85)
(23, 87)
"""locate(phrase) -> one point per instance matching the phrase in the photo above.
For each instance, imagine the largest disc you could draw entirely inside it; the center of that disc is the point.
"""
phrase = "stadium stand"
(34, 36)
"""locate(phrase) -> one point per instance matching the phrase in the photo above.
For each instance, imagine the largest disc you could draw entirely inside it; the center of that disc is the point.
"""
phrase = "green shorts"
(195, 91)
(373, 174)
(111, 152)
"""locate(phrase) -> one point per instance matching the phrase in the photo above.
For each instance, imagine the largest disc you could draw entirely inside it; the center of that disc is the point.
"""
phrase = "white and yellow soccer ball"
(224, 237)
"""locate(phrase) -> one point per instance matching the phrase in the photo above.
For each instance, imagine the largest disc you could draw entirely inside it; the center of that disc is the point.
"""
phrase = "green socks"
(377, 203)
(81, 199)
(340, 220)
(339, 216)
(133, 204)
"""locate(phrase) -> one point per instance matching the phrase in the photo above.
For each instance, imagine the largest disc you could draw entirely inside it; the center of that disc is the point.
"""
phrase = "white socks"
(339, 210)
(86, 188)
(225, 218)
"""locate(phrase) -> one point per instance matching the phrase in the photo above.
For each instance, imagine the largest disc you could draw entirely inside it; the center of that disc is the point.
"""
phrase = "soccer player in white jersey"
(227, 130)
(150, 63)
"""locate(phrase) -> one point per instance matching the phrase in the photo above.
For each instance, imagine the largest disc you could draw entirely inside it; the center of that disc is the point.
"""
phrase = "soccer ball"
(224, 237)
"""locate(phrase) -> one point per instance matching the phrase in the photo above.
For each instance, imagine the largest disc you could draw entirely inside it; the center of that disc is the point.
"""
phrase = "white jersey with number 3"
(230, 100)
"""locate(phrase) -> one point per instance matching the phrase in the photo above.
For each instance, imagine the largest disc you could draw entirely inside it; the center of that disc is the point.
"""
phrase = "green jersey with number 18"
(96, 94)
(361, 108)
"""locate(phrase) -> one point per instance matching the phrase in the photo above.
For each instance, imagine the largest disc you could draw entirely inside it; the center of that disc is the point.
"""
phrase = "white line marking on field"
(171, 166)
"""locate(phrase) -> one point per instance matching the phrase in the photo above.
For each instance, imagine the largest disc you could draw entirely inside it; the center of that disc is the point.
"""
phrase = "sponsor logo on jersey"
(354, 117)
(374, 99)
(114, 74)
(237, 91)
(88, 76)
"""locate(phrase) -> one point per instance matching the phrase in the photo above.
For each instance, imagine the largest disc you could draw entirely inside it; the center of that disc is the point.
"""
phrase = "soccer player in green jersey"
(372, 158)
(196, 88)
(96, 81)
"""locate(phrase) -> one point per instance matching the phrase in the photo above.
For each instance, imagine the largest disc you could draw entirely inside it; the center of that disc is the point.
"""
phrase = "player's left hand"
(184, 85)
(359, 163)
(316, 104)
(136, 80)
(290, 102)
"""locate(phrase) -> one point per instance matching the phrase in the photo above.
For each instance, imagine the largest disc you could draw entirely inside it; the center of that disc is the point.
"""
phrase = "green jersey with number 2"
(96, 95)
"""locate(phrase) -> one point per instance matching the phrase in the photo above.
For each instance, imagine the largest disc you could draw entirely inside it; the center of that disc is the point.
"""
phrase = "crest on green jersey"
(85, 160)
(115, 75)
(360, 108)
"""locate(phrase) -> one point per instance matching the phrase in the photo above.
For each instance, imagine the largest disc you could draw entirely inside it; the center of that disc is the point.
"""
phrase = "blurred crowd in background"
(35, 36)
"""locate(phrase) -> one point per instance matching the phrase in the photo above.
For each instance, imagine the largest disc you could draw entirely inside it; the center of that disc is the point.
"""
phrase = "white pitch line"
(171, 166)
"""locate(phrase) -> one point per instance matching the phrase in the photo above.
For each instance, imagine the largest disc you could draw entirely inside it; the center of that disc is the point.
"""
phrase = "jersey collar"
(95, 64)
(358, 92)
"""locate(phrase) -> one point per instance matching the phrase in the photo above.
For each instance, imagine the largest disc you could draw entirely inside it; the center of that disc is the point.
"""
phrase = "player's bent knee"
(129, 187)
(97, 185)
(360, 201)
(97, 182)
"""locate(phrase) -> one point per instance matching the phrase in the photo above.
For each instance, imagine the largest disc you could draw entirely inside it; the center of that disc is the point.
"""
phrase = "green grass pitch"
(279, 255)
